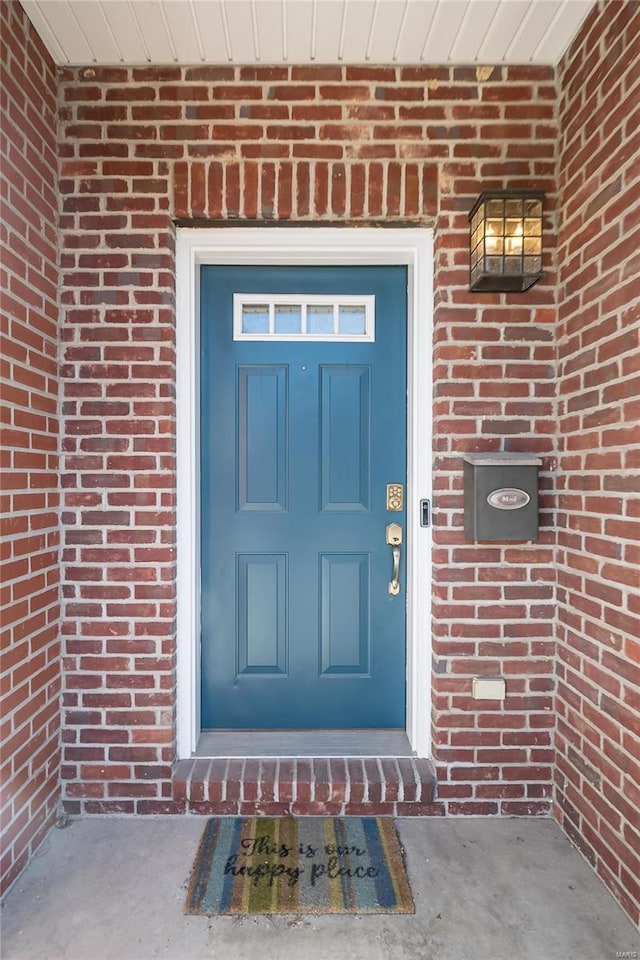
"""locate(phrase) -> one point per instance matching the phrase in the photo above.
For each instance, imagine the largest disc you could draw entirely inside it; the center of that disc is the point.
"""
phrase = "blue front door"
(299, 439)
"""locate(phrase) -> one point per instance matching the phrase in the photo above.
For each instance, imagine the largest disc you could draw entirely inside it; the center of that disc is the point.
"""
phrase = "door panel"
(298, 442)
(262, 438)
(345, 425)
(345, 613)
(261, 615)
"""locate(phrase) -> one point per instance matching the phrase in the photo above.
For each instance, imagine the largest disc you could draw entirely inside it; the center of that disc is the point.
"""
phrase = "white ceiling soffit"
(307, 31)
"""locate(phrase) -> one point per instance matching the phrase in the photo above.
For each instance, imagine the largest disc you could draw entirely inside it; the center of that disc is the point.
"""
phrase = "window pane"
(532, 264)
(512, 265)
(493, 245)
(494, 229)
(255, 318)
(288, 318)
(320, 319)
(351, 320)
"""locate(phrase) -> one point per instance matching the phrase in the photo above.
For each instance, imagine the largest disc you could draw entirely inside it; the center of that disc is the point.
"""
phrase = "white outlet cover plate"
(489, 688)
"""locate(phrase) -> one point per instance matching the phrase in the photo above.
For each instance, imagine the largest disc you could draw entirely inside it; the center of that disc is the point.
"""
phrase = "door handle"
(394, 539)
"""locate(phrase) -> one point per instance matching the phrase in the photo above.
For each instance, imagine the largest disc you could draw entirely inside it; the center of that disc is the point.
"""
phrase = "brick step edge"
(353, 786)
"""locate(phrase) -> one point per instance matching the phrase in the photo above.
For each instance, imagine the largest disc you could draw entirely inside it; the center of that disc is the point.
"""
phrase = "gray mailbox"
(501, 496)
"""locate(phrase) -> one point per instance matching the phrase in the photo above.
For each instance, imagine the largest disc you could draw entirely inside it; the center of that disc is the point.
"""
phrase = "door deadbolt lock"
(394, 539)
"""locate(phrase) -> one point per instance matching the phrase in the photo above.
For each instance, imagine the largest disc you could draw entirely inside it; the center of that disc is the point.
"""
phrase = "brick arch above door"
(306, 190)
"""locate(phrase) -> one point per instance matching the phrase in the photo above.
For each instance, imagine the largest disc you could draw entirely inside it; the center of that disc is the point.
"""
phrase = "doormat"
(265, 865)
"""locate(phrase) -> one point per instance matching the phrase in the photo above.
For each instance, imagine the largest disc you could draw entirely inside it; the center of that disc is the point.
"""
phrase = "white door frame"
(319, 246)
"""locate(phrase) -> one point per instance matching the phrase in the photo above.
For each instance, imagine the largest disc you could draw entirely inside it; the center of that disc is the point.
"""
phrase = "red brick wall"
(30, 645)
(414, 144)
(598, 700)
(494, 390)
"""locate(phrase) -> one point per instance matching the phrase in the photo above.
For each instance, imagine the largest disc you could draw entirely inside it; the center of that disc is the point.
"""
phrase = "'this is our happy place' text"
(325, 862)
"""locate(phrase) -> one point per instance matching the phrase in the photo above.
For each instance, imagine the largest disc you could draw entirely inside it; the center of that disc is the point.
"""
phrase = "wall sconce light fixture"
(506, 240)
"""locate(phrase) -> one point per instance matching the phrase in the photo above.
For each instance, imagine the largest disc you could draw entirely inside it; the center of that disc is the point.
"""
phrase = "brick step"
(351, 786)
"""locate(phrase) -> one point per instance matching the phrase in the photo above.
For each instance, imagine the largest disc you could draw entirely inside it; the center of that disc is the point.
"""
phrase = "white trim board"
(318, 246)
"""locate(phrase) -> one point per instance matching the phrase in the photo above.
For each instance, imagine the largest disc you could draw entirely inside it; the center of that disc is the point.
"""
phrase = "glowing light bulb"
(490, 240)
(514, 242)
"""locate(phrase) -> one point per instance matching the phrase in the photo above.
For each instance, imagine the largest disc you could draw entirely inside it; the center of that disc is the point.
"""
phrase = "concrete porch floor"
(109, 889)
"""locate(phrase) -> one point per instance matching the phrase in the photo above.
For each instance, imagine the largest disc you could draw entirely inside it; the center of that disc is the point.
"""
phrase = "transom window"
(294, 317)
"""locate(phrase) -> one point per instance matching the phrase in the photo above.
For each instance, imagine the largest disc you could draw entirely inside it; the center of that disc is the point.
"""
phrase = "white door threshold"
(240, 744)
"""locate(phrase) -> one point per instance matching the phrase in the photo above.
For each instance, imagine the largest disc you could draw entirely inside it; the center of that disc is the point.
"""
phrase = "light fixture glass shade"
(506, 240)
